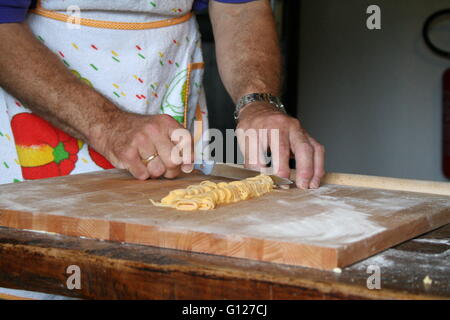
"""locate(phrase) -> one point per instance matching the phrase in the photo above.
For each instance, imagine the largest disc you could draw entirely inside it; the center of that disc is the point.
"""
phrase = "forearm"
(248, 53)
(35, 76)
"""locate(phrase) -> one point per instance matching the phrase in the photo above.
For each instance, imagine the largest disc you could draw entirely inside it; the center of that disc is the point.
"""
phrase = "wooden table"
(38, 262)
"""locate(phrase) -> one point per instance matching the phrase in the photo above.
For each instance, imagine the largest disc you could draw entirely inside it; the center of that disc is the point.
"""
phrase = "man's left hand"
(293, 141)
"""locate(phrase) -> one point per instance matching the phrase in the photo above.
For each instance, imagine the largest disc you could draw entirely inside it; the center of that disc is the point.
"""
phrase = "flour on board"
(335, 227)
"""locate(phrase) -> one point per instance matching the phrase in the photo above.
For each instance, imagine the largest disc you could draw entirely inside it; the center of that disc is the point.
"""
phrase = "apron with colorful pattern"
(144, 56)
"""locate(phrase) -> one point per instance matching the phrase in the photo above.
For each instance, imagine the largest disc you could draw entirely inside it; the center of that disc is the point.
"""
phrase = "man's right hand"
(130, 138)
(125, 139)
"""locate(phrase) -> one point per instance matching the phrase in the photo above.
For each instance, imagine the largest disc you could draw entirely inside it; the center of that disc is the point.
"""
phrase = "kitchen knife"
(236, 173)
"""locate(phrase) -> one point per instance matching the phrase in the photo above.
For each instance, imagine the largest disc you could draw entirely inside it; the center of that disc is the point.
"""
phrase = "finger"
(131, 161)
(304, 157)
(280, 152)
(319, 163)
(155, 167)
(165, 148)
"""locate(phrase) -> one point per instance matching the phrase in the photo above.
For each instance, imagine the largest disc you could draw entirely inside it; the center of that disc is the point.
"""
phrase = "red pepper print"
(99, 159)
(44, 151)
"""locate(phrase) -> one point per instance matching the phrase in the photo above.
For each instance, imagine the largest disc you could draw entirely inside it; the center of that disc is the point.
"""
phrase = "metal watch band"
(255, 97)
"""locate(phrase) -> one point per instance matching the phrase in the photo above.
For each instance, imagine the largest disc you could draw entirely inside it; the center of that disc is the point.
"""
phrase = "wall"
(373, 98)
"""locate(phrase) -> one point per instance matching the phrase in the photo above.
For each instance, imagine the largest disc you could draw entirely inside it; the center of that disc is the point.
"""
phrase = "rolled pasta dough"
(208, 195)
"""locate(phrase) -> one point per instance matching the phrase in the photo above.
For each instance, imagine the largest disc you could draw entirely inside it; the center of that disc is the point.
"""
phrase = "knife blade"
(235, 173)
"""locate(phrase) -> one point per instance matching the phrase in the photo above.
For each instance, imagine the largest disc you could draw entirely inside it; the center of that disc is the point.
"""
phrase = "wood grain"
(110, 270)
(327, 228)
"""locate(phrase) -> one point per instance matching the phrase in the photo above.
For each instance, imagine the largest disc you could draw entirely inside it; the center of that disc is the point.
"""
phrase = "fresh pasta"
(208, 195)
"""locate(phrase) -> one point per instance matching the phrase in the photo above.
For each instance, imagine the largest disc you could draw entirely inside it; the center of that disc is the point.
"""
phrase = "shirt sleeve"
(203, 4)
(13, 10)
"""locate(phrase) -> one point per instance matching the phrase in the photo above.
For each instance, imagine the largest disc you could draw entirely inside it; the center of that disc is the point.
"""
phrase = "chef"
(101, 84)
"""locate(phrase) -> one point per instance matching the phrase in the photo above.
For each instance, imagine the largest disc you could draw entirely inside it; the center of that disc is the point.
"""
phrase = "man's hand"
(51, 91)
(131, 138)
(292, 140)
(249, 61)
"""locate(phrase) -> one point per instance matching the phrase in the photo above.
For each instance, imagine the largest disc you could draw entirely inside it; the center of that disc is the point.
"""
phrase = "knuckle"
(142, 175)
(171, 174)
(283, 144)
(168, 120)
(138, 172)
(150, 129)
(321, 173)
(284, 151)
(321, 148)
(126, 155)
(278, 118)
(165, 117)
(307, 173)
(171, 165)
(139, 138)
(305, 147)
(157, 172)
(295, 122)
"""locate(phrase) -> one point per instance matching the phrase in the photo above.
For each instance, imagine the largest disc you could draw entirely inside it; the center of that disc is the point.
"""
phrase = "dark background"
(373, 98)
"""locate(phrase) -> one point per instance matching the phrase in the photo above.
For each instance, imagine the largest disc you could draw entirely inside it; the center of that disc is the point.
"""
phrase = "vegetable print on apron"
(144, 56)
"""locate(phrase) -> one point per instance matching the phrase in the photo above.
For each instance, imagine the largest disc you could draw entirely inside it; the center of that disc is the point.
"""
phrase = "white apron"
(144, 56)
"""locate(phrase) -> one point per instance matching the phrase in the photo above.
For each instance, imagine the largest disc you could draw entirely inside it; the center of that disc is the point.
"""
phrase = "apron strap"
(111, 24)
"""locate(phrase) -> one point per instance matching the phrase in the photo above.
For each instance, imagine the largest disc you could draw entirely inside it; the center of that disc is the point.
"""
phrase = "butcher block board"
(334, 226)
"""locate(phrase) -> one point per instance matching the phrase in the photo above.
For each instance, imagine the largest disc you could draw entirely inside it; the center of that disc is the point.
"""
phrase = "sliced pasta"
(208, 195)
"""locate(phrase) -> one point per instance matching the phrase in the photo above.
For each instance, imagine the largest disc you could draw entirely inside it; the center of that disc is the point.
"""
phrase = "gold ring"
(152, 157)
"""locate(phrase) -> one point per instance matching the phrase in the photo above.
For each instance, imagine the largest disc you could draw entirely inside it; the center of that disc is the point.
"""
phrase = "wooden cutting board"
(334, 226)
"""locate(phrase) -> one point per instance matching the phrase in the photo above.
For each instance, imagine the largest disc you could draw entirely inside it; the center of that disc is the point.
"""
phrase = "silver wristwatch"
(254, 97)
